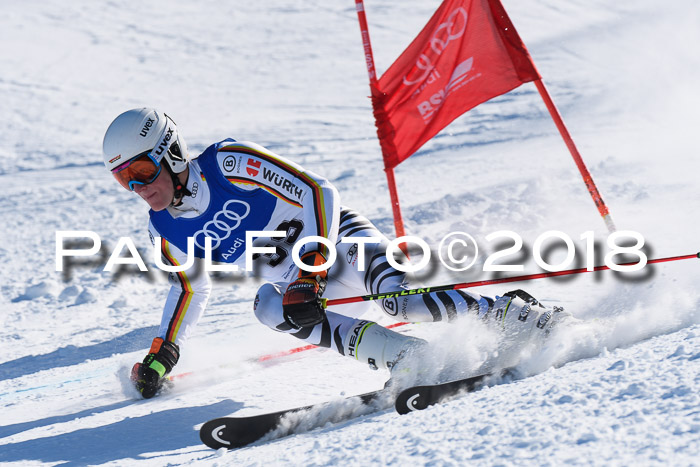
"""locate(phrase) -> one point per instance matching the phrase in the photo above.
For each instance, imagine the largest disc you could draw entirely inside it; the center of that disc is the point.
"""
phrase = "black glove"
(301, 305)
(149, 376)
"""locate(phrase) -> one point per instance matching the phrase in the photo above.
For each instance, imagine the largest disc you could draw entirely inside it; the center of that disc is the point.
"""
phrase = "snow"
(620, 389)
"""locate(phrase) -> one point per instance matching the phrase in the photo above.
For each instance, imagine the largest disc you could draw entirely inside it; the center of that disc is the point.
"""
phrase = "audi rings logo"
(453, 28)
(222, 224)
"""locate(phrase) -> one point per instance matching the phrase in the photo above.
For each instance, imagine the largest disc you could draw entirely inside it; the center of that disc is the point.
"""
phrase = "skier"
(234, 187)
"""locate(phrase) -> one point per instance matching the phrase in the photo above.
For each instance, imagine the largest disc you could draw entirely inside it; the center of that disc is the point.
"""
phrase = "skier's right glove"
(301, 304)
(149, 376)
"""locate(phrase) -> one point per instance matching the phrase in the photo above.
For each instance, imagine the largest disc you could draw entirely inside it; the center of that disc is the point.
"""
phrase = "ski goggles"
(141, 170)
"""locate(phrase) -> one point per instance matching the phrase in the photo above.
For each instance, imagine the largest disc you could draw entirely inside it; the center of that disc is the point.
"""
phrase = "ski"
(236, 432)
(421, 397)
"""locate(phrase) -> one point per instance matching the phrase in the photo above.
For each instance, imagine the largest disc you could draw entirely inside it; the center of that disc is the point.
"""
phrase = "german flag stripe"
(270, 190)
(183, 301)
(322, 222)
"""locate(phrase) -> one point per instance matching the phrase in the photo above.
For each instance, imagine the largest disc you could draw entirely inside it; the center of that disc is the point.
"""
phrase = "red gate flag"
(468, 53)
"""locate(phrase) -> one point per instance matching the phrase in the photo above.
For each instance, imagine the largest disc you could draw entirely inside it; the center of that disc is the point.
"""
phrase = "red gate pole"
(587, 179)
(372, 72)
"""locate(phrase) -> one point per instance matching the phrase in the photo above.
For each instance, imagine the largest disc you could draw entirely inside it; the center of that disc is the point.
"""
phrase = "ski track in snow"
(621, 389)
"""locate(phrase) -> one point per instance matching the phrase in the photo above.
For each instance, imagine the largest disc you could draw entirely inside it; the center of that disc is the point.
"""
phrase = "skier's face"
(158, 194)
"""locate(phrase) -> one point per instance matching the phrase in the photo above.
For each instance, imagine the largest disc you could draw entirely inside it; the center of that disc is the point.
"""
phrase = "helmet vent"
(175, 153)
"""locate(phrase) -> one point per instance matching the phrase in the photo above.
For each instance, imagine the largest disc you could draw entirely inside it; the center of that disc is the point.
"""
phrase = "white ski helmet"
(145, 130)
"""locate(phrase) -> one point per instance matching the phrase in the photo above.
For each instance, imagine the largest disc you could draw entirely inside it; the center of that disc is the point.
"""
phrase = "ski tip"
(214, 434)
(412, 399)
(422, 397)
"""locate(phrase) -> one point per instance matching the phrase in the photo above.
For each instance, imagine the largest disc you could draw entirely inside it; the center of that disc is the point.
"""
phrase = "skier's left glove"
(149, 376)
(301, 304)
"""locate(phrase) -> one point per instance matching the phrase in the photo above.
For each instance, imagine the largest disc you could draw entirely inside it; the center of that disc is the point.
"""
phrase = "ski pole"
(342, 301)
(284, 353)
(464, 285)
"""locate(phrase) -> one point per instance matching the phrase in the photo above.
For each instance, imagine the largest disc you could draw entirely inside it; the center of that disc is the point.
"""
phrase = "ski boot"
(523, 319)
(385, 349)
(518, 309)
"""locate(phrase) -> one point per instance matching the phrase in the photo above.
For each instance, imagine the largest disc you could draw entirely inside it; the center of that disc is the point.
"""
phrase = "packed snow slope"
(621, 389)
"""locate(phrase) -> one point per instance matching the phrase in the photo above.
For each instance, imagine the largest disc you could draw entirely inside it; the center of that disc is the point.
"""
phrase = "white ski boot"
(380, 347)
(521, 316)
(524, 322)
